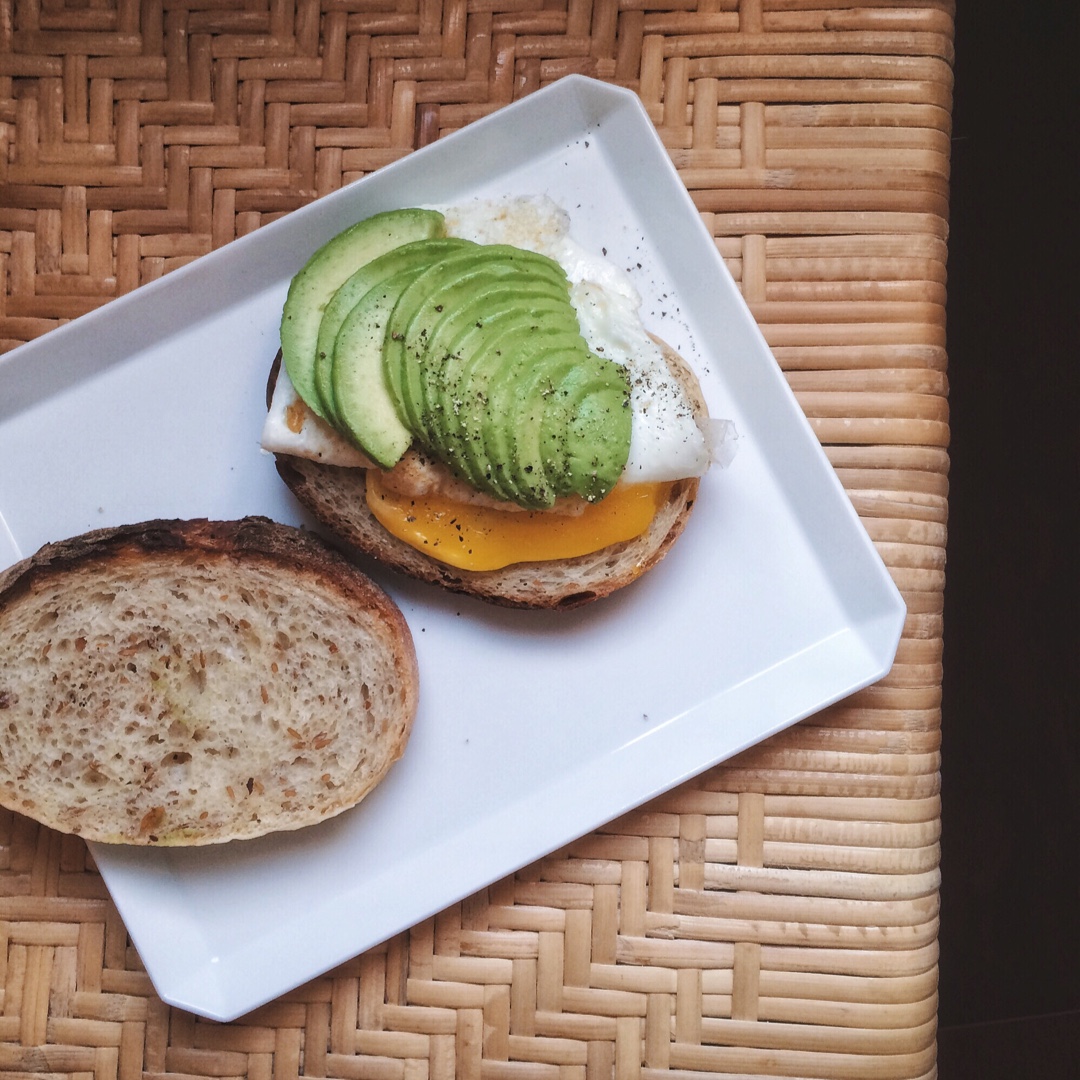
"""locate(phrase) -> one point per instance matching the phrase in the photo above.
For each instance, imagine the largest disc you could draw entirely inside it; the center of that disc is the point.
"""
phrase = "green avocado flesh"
(417, 254)
(313, 288)
(399, 335)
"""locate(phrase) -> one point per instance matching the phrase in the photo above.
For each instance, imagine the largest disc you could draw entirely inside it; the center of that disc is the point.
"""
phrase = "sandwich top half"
(480, 363)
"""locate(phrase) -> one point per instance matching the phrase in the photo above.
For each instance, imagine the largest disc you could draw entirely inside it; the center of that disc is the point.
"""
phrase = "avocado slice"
(499, 379)
(457, 432)
(493, 382)
(315, 284)
(517, 404)
(413, 347)
(366, 410)
(561, 403)
(397, 323)
(444, 286)
(465, 341)
(585, 437)
(417, 253)
(469, 375)
(456, 337)
(535, 406)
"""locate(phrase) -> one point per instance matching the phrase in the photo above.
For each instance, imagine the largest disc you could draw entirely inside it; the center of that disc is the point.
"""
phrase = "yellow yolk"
(483, 538)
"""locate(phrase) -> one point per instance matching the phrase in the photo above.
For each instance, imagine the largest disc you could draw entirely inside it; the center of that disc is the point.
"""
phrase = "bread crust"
(336, 497)
(118, 631)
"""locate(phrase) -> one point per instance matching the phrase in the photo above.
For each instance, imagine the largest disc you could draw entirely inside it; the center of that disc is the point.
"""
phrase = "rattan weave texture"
(775, 917)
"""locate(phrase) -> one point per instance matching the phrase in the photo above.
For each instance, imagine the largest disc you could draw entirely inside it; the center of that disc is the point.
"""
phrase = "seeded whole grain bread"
(336, 497)
(194, 682)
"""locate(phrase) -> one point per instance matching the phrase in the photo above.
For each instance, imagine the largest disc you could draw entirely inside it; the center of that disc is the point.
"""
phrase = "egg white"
(666, 442)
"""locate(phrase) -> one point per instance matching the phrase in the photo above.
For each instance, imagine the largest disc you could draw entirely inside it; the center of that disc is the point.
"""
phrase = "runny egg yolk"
(484, 538)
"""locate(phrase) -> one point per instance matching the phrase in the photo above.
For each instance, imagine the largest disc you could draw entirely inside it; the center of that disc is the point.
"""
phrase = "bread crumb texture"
(193, 698)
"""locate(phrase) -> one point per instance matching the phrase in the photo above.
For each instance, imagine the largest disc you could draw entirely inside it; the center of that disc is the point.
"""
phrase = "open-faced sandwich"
(191, 682)
(469, 396)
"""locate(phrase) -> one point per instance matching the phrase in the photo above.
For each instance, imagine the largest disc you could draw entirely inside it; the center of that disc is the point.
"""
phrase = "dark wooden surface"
(1010, 950)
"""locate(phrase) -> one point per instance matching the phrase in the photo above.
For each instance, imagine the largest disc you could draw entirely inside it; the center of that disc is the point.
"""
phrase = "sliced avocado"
(506, 306)
(585, 431)
(443, 286)
(412, 348)
(406, 256)
(457, 433)
(467, 384)
(526, 452)
(509, 309)
(397, 334)
(365, 409)
(494, 380)
(313, 287)
(599, 440)
(562, 403)
(454, 340)
(394, 344)
(517, 401)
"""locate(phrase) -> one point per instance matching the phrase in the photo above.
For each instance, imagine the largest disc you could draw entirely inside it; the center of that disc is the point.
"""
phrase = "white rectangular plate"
(534, 728)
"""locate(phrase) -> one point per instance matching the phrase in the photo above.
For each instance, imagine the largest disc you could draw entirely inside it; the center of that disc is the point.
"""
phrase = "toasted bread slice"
(336, 497)
(193, 682)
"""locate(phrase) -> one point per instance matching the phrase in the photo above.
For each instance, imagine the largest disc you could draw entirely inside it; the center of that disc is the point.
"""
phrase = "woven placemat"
(775, 917)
